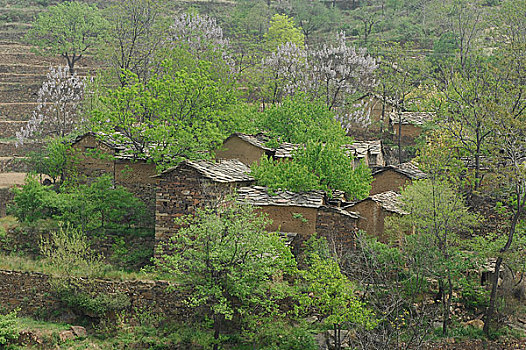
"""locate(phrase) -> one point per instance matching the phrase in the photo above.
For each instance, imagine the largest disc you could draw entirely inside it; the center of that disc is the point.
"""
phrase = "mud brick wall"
(32, 293)
(339, 229)
(409, 133)
(181, 192)
(388, 180)
(138, 178)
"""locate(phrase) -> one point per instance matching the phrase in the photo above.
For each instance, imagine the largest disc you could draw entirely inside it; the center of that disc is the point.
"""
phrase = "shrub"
(91, 305)
(95, 208)
(8, 328)
(68, 250)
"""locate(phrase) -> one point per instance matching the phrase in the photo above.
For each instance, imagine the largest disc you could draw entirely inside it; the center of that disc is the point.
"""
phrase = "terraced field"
(21, 75)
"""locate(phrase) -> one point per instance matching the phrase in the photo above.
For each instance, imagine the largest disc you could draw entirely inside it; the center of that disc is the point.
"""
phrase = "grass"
(24, 263)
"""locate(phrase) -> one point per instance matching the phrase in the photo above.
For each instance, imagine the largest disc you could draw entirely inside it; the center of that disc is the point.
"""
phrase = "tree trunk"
(399, 137)
(217, 330)
(493, 296)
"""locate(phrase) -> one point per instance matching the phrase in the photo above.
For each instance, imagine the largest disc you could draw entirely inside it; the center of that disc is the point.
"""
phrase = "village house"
(247, 148)
(395, 177)
(299, 215)
(373, 211)
(194, 184)
(411, 126)
(101, 155)
(370, 152)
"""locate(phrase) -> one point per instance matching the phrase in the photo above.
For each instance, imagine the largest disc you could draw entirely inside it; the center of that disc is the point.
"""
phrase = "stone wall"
(17, 111)
(181, 192)
(33, 294)
(9, 149)
(13, 164)
(9, 128)
(5, 197)
(135, 176)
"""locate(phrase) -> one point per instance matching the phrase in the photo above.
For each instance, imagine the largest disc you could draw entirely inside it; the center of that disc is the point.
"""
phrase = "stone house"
(299, 215)
(395, 177)
(194, 184)
(371, 152)
(373, 211)
(412, 125)
(99, 155)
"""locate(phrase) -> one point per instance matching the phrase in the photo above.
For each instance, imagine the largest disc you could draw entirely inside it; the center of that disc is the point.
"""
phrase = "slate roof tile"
(226, 170)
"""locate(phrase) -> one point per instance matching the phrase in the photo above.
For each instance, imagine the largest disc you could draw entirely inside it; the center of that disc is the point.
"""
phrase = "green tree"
(94, 208)
(326, 292)
(320, 160)
(400, 75)
(54, 160)
(299, 120)
(508, 121)
(313, 17)
(437, 214)
(230, 266)
(282, 30)
(182, 113)
(68, 29)
(136, 31)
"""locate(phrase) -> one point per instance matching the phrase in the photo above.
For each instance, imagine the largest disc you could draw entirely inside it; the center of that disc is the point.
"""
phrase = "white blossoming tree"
(57, 112)
(199, 33)
(332, 73)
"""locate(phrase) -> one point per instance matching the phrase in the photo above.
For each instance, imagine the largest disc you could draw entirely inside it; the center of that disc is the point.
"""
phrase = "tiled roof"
(388, 200)
(360, 149)
(285, 150)
(416, 118)
(408, 169)
(227, 170)
(258, 140)
(123, 150)
(260, 196)
(108, 140)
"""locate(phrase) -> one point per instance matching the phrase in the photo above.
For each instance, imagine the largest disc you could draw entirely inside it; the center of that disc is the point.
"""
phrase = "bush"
(90, 305)
(95, 208)
(8, 328)
(68, 250)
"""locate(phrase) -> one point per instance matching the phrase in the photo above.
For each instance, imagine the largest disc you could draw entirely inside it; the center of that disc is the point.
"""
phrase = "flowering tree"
(285, 71)
(199, 32)
(57, 112)
(339, 70)
(331, 73)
